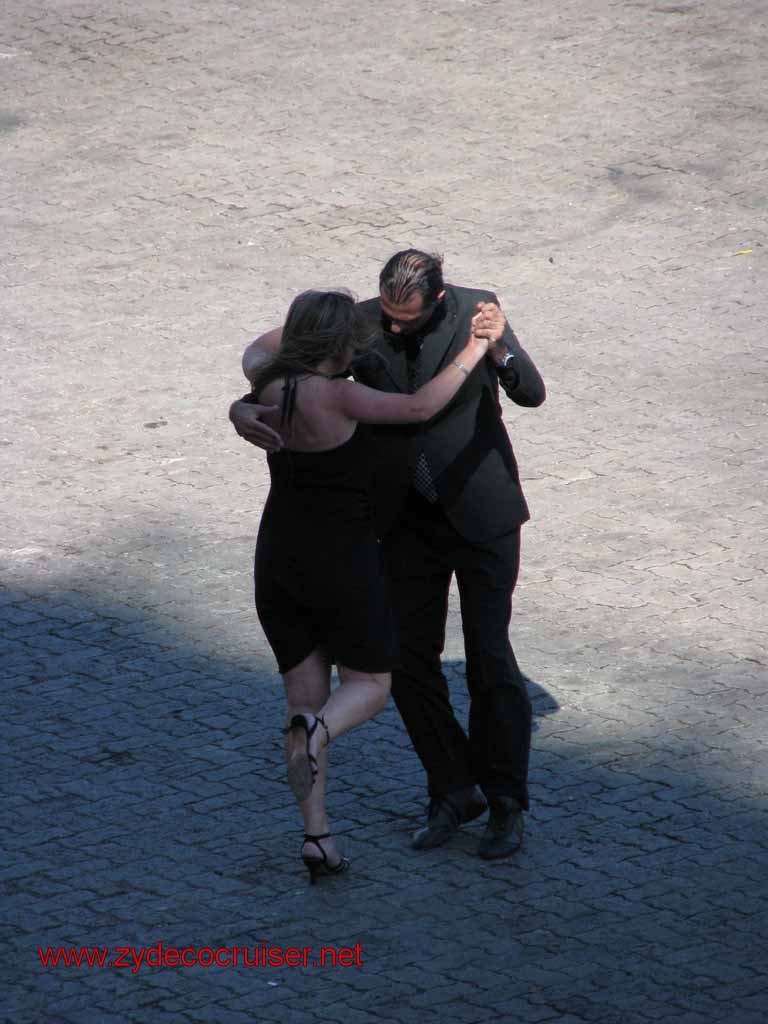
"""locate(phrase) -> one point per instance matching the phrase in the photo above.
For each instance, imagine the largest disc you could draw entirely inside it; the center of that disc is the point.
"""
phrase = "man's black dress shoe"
(504, 832)
(447, 814)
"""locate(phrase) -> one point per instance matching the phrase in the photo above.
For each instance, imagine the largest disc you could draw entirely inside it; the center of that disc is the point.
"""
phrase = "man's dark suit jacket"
(466, 443)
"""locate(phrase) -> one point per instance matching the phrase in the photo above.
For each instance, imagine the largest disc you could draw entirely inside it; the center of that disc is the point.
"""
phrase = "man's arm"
(246, 414)
(517, 373)
(261, 349)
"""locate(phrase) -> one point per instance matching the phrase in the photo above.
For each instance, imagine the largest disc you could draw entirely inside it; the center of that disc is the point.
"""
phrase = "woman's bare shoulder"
(272, 393)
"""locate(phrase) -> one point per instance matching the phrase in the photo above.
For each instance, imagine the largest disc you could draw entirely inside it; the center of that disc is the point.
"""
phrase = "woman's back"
(307, 413)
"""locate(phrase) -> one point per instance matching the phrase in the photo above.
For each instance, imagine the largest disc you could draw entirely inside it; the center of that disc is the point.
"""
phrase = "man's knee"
(494, 670)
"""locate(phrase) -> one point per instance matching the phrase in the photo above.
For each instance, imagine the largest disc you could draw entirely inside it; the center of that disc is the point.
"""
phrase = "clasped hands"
(489, 322)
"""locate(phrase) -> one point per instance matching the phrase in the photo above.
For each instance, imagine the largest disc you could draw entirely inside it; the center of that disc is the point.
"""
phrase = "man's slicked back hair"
(409, 273)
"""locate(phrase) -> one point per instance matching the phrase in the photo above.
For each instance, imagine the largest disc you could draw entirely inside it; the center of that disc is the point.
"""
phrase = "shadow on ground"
(145, 802)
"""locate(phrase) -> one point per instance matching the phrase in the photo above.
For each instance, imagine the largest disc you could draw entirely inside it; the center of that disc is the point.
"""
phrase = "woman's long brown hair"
(319, 326)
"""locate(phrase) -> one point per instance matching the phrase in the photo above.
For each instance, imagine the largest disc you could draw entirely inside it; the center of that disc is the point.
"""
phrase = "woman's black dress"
(319, 577)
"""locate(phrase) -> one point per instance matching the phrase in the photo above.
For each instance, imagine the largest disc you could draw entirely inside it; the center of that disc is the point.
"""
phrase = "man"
(451, 503)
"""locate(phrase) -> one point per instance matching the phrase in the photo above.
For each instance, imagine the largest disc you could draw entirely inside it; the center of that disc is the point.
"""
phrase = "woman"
(321, 592)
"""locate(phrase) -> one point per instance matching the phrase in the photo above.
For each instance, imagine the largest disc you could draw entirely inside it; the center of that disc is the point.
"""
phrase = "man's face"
(409, 317)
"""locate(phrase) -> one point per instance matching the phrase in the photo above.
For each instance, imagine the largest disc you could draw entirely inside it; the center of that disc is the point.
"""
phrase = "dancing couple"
(382, 487)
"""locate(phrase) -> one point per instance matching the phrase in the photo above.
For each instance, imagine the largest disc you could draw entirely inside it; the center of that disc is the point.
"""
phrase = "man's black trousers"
(422, 554)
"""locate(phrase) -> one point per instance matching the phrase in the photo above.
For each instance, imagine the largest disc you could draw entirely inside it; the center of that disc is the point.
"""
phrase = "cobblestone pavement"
(172, 173)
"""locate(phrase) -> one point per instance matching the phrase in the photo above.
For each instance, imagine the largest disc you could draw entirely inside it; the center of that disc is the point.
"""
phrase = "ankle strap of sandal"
(321, 720)
(300, 722)
(315, 840)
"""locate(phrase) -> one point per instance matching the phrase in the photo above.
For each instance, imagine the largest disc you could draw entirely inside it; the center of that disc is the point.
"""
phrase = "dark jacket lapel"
(439, 345)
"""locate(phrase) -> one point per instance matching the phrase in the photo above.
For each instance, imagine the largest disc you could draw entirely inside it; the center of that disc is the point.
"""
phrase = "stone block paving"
(172, 175)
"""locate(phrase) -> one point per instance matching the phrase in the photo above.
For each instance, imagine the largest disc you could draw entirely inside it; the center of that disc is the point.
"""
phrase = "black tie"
(422, 477)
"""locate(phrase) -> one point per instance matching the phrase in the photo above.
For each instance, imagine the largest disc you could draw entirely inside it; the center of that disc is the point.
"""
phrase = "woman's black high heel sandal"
(302, 766)
(319, 866)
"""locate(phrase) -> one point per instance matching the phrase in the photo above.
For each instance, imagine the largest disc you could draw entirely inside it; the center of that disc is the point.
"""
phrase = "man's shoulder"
(370, 307)
(470, 296)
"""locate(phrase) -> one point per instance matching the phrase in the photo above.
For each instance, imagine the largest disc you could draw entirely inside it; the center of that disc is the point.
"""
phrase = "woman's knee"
(379, 682)
(307, 685)
(384, 684)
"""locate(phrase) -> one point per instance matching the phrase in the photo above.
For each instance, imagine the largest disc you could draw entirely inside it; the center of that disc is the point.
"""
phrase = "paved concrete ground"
(172, 173)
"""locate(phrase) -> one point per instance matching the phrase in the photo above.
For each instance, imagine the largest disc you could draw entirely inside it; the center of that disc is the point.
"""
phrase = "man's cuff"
(508, 374)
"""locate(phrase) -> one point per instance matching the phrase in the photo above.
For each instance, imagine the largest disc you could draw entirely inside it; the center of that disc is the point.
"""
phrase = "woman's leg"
(307, 687)
(361, 696)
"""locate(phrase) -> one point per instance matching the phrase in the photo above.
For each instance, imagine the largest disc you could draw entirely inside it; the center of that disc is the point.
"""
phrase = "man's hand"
(490, 322)
(478, 338)
(246, 420)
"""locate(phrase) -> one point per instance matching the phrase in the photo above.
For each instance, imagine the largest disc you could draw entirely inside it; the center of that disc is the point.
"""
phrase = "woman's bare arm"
(366, 405)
